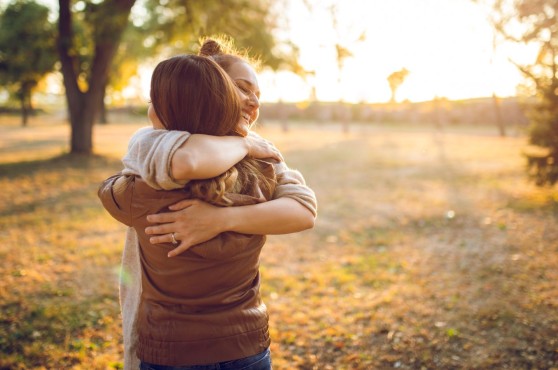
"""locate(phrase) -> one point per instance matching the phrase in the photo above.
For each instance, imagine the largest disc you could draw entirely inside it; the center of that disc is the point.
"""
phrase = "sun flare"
(446, 45)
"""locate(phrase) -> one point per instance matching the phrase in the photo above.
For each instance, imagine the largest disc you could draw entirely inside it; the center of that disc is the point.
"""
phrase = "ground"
(431, 251)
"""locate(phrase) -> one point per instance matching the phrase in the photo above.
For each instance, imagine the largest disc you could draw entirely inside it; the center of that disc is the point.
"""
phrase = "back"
(204, 305)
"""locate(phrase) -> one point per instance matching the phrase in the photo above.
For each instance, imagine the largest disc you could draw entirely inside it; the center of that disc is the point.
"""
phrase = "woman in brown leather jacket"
(203, 306)
(169, 159)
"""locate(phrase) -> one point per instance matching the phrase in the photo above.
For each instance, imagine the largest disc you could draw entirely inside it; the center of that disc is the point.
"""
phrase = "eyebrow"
(247, 82)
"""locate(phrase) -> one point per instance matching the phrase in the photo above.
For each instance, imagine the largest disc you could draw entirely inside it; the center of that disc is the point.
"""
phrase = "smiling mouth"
(246, 117)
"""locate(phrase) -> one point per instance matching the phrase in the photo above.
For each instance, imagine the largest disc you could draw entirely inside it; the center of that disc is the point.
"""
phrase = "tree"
(131, 52)
(342, 53)
(536, 22)
(27, 50)
(395, 81)
(172, 27)
(248, 23)
(108, 21)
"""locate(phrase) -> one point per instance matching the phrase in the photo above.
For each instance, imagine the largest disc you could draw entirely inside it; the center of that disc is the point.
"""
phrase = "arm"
(168, 159)
(204, 156)
(279, 216)
(197, 221)
(293, 209)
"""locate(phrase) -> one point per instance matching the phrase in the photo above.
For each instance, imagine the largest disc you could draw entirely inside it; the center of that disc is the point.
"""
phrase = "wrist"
(227, 218)
(247, 144)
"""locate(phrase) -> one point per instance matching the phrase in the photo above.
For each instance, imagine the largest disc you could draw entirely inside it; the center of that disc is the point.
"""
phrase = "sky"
(447, 45)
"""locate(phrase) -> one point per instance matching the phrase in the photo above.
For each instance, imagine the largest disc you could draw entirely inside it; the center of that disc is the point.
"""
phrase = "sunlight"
(447, 47)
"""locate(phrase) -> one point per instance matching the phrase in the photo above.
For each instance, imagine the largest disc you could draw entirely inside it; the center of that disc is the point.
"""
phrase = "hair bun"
(210, 48)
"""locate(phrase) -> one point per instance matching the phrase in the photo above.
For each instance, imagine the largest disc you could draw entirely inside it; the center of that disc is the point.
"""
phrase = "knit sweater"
(149, 156)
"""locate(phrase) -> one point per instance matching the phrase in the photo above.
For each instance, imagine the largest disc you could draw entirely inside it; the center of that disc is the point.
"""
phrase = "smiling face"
(244, 76)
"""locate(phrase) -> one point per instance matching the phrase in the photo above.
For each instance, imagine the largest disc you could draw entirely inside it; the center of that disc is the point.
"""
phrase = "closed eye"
(247, 90)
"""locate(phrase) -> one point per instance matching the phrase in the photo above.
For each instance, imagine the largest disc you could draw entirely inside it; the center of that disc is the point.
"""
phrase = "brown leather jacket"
(204, 305)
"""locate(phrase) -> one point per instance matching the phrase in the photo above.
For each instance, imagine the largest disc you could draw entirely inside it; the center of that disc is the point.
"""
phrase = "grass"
(431, 251)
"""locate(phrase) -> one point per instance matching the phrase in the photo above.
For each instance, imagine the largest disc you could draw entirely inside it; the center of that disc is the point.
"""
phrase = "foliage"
(27, 51)
(111, 48)
(535, 22)
(177, 25)
(395, 81)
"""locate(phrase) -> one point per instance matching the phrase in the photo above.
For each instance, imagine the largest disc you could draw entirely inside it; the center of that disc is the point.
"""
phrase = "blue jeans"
(261, 361)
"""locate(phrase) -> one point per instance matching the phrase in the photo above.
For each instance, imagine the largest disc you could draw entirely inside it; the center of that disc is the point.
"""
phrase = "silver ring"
(174, 241)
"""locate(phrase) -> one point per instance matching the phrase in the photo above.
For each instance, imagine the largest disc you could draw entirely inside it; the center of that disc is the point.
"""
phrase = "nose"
(252, 101)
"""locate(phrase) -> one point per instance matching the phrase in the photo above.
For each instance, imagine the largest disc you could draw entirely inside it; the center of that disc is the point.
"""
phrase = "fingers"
(265, 149)
(275, 153)
(167, 238)
(162, 217)
(172, 216)
(161, 229)
(183, 247)
(278, 155)
(160, 239)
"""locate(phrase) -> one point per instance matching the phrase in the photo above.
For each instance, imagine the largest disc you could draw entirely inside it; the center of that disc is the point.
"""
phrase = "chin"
(243, 130)
(254, 118)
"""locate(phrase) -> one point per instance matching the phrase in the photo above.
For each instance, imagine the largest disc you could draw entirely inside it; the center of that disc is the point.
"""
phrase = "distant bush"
(474, 111)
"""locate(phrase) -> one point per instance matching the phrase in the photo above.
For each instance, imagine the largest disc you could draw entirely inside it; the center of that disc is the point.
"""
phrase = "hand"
(192, 222)
(261, 148)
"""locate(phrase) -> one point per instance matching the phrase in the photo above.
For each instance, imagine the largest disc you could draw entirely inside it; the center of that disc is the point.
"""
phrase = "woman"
(203, 306)
(187, 157)
(293, 210)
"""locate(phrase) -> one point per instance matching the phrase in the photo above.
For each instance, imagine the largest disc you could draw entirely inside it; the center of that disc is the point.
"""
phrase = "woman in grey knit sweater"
(169, 159)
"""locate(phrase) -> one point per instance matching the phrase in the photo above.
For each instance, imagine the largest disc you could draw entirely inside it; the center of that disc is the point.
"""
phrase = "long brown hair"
(193, 93)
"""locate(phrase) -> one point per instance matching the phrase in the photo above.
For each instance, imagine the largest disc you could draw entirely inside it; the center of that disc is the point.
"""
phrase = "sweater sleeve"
(149, 156)
(291, 184)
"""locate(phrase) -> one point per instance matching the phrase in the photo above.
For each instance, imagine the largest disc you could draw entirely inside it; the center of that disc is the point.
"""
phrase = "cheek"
(254, 116)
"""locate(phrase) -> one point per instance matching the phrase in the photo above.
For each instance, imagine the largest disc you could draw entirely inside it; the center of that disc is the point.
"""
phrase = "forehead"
(243, 71)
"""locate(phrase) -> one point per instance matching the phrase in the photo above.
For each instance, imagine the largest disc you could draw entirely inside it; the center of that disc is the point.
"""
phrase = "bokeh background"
(427, 128)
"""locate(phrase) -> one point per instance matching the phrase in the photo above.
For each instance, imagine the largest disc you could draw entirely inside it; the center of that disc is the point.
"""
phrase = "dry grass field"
(431, 251)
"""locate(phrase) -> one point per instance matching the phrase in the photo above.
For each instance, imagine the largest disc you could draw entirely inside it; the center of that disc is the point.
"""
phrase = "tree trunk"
(103, 113)
(25, 98)
(82, 134)
(392, 97)
(498, 114)
(103, 108)
(84, 106)
(24, 111)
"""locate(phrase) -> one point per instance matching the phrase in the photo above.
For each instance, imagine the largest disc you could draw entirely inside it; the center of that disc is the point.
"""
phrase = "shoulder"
(115, 195)
(149, 135)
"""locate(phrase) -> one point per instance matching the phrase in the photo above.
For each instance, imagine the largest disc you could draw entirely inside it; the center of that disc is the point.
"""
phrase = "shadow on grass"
(64, 161)
(76, 328)
(64, 184)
